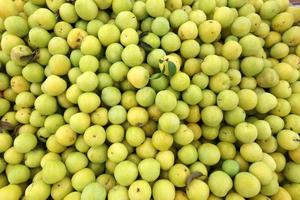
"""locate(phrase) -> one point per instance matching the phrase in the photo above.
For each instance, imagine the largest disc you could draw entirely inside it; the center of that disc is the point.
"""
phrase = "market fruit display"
(149, 100)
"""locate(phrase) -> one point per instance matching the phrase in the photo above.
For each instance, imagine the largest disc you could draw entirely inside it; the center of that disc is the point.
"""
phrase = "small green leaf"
(6, 125)
(16, 129)
(143, 34)
(31, 57)
(145, 46)
(156, 76)
(172, 68)
(191, 177)
(27, 57)
(36, 54)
